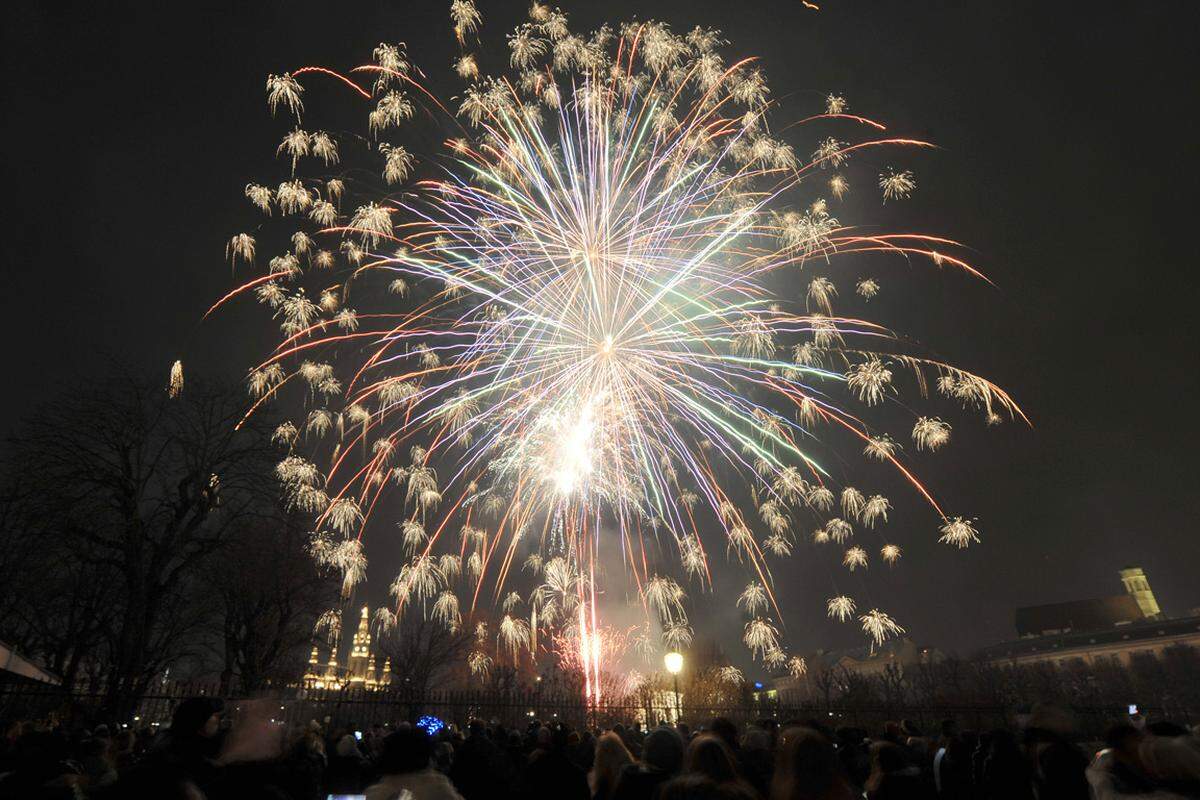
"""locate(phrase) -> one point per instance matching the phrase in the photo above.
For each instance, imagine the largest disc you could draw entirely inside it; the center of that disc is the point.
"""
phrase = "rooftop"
(1146, 630)
(1078, 615)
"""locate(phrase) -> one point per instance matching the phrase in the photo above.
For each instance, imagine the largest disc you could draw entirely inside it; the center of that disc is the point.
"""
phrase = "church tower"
(360, 651)
(311, 675)
(1139, 588)
(385, 677)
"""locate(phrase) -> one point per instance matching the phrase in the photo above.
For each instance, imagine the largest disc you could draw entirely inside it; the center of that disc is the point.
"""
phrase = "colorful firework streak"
(578, 337)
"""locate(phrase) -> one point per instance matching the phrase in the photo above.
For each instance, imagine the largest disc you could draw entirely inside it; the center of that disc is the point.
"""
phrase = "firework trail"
(574, 331)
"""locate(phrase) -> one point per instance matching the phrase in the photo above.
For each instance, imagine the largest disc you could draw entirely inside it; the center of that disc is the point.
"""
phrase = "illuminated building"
(359, 672)
(1118, 627)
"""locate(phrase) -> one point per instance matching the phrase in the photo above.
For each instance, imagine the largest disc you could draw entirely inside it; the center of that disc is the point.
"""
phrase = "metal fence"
(358, 708)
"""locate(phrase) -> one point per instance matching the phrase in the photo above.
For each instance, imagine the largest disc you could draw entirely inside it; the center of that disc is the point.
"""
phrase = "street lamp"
(674, 662)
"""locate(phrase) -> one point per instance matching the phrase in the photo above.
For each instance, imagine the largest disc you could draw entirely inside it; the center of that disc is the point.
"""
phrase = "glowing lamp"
(673, 662)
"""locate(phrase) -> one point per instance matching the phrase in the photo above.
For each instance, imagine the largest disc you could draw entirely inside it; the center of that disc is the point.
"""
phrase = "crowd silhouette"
(203, 755)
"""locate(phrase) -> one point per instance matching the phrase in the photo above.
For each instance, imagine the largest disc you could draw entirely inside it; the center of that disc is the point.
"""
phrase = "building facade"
(359, 672)
(1118, 627)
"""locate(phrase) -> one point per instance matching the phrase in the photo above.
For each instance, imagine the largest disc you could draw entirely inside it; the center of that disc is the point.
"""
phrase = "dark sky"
(1068, 162)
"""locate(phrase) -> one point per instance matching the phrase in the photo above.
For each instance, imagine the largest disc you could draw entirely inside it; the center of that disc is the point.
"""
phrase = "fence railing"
(358, 707)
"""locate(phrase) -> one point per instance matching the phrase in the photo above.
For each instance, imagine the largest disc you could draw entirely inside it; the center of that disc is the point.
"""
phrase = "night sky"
(1068, 161)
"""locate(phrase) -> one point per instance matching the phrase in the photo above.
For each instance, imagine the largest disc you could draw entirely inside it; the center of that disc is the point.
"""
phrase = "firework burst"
(575, 320)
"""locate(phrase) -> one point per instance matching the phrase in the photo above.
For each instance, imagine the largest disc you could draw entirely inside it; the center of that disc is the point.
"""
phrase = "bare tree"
(54, 601)
(268, 594)
(425, 652)
(150, 487)
(893, 683)
(826, 681)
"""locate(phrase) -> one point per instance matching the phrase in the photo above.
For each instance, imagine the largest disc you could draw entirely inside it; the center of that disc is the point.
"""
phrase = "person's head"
(347, 746)
(663, 751)
(807, 767)
(404, 751)
(543, 738)
(197, 716)
(709, 755)
(611, 757)
(475, 728)
(949, 729)
(724, 729)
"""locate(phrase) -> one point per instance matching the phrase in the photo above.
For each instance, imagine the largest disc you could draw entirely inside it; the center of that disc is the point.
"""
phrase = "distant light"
(758, 684)
(673, 662)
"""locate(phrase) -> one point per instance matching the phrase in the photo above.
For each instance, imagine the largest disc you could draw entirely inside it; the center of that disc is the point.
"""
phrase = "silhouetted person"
(1005, 774)
(1117, 770)
(611, 757)
(1058, 763)
(482, 771)
(552, 773)
(405, 765)
(807, 768)
(662, 758)
(893, 775)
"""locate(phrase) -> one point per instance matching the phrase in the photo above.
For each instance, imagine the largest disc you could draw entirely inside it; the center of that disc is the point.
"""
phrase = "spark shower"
(596, 322)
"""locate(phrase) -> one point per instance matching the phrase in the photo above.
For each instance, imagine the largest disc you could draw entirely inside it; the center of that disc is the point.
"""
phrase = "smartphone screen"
(1133, 709)
(358, 735)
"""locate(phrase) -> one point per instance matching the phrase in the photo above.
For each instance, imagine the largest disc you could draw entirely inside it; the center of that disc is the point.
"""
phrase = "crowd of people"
(202, 755)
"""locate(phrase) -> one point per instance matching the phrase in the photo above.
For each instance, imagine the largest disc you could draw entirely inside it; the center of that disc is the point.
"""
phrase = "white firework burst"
(445, 610)
(760, 636)
(852, 502)
(284, 90)
(731, 675)
(840, 608)
(838, 186)
(869, 380)
(753, 599)
(839, 530)
(875, 510)
(879, 626)
(820, 498)
(855, 557)
(930, 433)
(896, 185)
(959, 532)
(665, 596)
(677, 635)
(881, 448)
